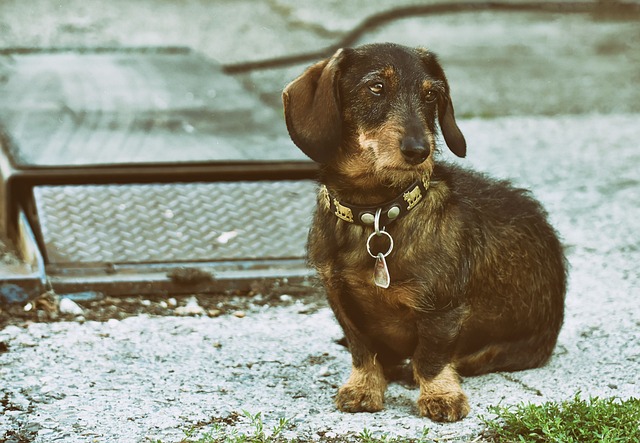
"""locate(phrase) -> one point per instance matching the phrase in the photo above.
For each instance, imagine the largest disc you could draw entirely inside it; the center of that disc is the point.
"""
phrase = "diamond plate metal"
(121, 107)
(186, 222)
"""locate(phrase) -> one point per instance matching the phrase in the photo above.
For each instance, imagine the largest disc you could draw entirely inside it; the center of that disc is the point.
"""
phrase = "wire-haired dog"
(421, 260)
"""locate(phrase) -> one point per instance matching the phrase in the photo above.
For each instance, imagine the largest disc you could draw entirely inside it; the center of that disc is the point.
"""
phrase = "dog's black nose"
(415, 151)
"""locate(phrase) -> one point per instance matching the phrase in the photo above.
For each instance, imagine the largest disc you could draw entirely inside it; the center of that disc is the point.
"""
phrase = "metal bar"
(29, 280)
(146, 279)
(18, 184)
(167, 173)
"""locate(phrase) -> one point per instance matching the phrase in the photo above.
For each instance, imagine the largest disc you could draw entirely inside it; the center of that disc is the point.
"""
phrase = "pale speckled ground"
(551, 103)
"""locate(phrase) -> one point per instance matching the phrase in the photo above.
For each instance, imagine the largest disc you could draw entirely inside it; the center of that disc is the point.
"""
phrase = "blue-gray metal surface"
(120, 107)
(188, 222)
(114, 117)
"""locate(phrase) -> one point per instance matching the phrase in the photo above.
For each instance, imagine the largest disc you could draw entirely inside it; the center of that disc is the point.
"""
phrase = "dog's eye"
(431, 96)
(376, 88)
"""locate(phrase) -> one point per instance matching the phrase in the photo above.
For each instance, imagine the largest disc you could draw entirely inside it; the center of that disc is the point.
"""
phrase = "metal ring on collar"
(377, 234)
(376, 222)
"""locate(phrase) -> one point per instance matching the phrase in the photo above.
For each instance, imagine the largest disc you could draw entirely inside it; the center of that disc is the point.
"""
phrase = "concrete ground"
(550, 101)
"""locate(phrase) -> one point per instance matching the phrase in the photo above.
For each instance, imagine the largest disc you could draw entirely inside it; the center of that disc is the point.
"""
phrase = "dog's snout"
(414, 150)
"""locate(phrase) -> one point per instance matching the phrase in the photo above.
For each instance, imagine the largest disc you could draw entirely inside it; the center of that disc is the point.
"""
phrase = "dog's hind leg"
(529, 353)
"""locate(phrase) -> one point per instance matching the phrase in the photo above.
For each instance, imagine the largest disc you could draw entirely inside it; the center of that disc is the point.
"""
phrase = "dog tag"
(381, 272)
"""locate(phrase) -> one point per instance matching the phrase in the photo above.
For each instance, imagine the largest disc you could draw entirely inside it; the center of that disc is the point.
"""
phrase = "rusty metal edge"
(26, 50)
(20, 287)
(167, 172)
(159, 279)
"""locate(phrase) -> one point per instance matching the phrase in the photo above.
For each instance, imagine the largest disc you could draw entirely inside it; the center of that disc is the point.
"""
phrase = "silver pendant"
(381, 272)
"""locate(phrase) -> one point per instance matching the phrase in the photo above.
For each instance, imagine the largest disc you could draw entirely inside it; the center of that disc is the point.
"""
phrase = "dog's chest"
(340, 253)
(387, 314)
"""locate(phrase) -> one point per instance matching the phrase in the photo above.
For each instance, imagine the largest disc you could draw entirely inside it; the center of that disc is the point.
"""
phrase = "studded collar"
(389, 211)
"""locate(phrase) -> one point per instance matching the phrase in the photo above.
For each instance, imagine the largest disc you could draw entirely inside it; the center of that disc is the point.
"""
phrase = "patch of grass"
(597, 420)
(223, 433)
(220, 433)
(367, 437)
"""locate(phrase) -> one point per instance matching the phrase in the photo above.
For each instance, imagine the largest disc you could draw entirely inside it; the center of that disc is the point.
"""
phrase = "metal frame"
(20, 222)
(16, 187)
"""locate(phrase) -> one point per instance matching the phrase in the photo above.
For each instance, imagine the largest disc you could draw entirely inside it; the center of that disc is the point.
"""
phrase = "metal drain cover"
(188, 222)
(132, 163)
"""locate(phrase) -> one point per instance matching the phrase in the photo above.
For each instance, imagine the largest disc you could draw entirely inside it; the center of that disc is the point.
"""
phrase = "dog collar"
(389, 211)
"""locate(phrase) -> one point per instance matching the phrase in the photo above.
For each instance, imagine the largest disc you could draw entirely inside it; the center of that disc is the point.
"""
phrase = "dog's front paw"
(441, 397)
(445, 407)
(354, 398)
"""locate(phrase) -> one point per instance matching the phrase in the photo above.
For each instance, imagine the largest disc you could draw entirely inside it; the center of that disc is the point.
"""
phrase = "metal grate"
(66, 108)
(187, 222)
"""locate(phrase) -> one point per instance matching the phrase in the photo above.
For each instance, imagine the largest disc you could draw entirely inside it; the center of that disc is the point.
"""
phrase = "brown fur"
(477, 274)
(364, 391)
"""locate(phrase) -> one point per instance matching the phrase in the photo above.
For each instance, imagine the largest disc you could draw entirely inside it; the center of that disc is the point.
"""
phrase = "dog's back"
(517, 275)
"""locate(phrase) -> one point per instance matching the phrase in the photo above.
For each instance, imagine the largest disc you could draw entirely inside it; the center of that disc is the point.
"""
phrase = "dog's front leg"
(441, 396)
(364, 390)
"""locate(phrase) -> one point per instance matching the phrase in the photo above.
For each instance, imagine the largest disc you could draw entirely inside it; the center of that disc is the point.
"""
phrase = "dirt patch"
(48, 307)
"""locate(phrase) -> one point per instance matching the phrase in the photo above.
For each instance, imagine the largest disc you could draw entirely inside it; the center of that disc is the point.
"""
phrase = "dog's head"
(377, 104)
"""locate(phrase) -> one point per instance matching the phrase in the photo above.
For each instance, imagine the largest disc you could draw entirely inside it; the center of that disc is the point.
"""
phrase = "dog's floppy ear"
(452, 134)
(312, 109)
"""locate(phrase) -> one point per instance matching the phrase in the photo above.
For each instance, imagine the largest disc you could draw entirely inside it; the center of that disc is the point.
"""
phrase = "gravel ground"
(148, 376)
(551, 104)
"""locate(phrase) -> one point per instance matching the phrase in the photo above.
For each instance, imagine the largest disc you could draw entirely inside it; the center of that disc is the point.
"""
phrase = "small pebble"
(214, 312)
(70, 307)
(240, 314)
(172, 302)
(191, 308)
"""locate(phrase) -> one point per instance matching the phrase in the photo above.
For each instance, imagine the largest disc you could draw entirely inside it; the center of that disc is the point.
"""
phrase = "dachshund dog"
(421, 260)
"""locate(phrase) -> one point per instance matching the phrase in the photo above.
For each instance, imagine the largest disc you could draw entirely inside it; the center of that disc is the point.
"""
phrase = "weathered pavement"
(152, 377)
(554, 107)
